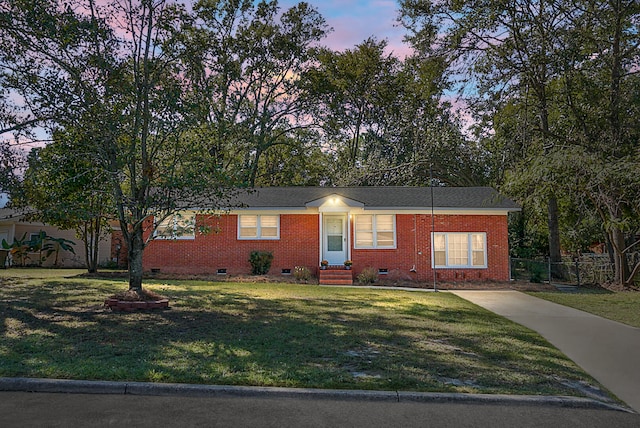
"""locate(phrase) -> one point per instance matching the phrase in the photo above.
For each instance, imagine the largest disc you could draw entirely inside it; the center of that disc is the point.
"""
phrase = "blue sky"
(355, 20)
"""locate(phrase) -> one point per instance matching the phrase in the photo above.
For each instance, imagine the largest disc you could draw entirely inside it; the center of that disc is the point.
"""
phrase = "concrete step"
(336, 277)
(336, 282)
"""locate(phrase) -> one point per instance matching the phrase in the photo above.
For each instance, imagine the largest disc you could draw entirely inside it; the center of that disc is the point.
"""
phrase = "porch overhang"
(334, 201)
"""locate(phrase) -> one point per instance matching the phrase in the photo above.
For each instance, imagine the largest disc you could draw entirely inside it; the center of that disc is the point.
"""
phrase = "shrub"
(368, 275)
(537, 272)
(260, 262)
(301, 273)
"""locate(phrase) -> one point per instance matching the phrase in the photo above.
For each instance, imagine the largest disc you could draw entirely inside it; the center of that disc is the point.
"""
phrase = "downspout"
(321, 235)
(433, 229)
(415, 245)
(349, 255)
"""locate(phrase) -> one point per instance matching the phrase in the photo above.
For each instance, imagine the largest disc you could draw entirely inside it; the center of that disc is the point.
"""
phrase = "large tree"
(65, 190)
(355, 89)
(595, 107)
(557, 84)
(384, 120)
(599, 110)
(500, 46)
(539, 61)
(244, 62)
(107, 73)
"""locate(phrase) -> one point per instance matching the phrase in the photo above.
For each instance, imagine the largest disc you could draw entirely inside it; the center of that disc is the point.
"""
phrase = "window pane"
(364, 231)
(248, 232)
(269, 232)
(385, 239)
(268, 226)
(248, 221)
(478, 258)
(384, 222)
(184, 225)
(439, 258)
(438, 242)
(458, 249)
(333, 226)
(165, 228)
(269, 221)
(177, 226)
(364, 239)
(477, 240)
(478, 249)
(364, 222)
(334, 243)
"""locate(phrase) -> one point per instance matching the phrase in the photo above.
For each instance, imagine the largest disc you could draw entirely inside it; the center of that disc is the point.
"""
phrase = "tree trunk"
(91, 240)
(136, 247)
(621, 272)
(555, 255)
(95, 239)
(254, 168)
(87, 246)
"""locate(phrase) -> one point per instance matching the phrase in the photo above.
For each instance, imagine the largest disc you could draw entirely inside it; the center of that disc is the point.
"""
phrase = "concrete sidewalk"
(607, 350)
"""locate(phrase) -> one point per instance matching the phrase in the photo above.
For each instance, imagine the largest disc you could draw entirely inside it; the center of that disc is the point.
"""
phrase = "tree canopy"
(556, 87)
(154, 107)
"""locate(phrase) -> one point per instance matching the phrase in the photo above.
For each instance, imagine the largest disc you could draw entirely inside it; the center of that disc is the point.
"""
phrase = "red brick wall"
(119, 249)
(413, 250)
(299, 246)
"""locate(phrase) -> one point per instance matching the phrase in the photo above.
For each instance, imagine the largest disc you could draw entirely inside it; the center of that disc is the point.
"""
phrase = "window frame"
(189, 237)
(258, 236)
(374, 231)
(470, 250)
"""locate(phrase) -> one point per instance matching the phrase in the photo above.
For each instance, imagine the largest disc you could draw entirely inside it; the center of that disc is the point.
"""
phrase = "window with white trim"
(258, 226)
(375, 231)
(459, 250)
(177, 226)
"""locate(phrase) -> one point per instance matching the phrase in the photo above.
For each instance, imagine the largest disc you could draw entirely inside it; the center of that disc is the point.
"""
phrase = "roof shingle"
(379, 197)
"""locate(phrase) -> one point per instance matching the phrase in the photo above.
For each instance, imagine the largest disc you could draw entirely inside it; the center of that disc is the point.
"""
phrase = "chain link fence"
(586, 270)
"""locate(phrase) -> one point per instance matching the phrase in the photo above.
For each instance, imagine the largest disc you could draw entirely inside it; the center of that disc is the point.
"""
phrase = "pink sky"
(353, 21)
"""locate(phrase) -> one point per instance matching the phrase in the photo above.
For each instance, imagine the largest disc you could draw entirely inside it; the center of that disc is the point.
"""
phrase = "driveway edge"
(21, 384)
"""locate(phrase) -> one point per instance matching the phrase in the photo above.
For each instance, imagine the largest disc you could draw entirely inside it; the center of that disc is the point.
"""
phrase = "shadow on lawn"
(233, 338)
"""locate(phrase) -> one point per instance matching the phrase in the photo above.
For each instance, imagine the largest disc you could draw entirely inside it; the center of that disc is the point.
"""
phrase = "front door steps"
(337, 275)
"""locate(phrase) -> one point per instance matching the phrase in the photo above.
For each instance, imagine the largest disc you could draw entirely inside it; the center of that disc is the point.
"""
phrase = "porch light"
(335, 200)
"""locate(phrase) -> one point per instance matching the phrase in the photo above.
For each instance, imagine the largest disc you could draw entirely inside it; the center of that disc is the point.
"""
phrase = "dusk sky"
(355, 20)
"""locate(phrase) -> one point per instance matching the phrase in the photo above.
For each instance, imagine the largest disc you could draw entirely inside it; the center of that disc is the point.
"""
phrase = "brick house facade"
(390, 229)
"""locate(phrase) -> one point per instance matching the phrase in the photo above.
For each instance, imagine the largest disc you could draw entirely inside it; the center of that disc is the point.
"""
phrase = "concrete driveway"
(607, 350)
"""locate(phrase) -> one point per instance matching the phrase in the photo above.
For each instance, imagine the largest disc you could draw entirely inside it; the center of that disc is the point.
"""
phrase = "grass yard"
(54, 326)
(623, 307)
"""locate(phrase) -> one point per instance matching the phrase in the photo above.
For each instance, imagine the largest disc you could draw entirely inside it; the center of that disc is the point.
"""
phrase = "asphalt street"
(39, 409)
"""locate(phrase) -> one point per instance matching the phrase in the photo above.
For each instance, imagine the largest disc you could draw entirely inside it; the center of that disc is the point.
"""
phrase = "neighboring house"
(390, 229)
(13, 224)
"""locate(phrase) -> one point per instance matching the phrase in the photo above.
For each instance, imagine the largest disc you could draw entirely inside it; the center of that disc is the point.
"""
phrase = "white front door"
(335, 239)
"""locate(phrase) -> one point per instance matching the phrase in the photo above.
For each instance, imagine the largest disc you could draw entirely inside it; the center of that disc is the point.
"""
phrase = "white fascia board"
(269, 211)
(360, 209)
(442, 211)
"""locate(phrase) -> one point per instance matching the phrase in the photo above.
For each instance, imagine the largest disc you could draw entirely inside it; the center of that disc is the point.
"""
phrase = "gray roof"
(378, 197)
(12, 214)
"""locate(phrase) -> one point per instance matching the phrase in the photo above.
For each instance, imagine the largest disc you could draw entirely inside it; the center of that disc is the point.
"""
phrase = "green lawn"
(623, 306)
(290, 335)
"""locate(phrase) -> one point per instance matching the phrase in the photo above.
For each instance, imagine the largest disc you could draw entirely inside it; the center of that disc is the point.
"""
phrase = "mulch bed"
(131, 300)
(463, 285)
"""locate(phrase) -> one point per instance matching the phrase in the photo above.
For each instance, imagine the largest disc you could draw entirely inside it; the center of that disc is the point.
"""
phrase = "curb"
(21, 384)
